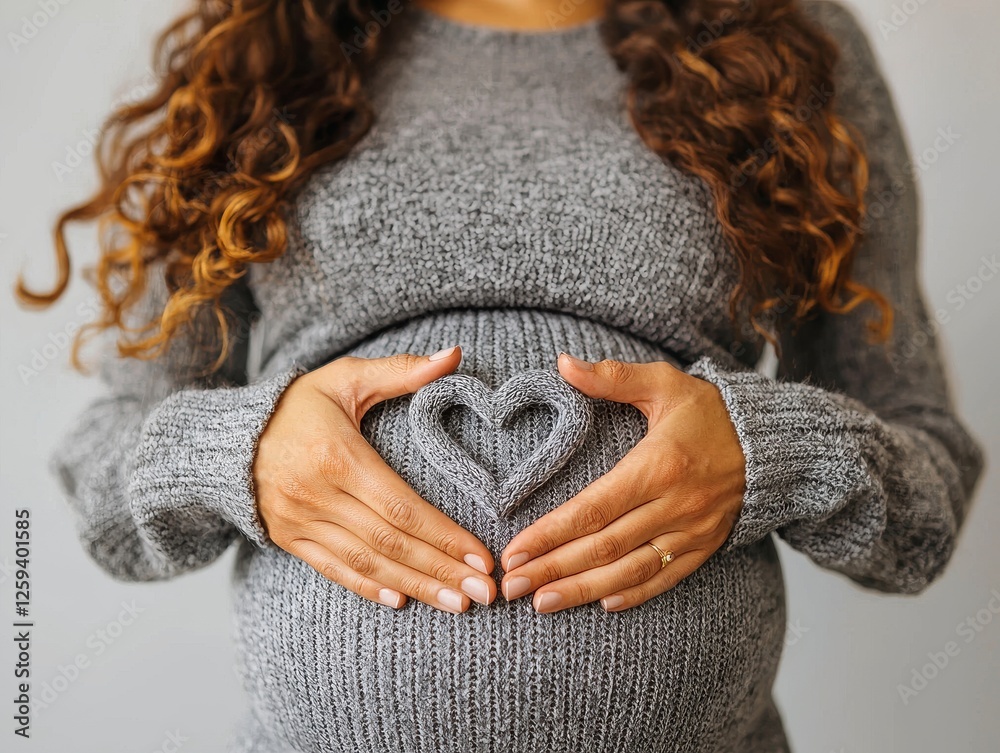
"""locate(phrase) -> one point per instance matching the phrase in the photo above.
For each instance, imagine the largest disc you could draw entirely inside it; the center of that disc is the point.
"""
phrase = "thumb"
(368, 381)
(640, 384)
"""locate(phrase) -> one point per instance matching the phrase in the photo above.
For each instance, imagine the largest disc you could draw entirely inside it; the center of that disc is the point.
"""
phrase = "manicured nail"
(516, 560)
(389, 597)
(450, 599)
(442, 353)
(476, 590)
(474, 560)
(585, 365)
(612, 602)
(548, 600)
(515, 587)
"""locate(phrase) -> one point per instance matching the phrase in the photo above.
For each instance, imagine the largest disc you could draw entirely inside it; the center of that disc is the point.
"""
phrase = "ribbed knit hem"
(195, 459)
(802, 459)
(499, 343)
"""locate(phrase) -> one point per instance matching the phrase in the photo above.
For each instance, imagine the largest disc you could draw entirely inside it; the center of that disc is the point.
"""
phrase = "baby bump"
(496, 448)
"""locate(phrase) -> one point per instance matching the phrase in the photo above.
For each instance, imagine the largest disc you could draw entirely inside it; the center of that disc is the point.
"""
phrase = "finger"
(362, 559)
(669, 577)
(360, 383)
(367, 525)
(644, 385)
(358, 469)
(333, 568)
(596, 550)
(632, 570)
(629, 484)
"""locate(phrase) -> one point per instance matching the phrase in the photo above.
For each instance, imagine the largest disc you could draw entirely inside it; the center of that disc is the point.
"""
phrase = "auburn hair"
(253, 95)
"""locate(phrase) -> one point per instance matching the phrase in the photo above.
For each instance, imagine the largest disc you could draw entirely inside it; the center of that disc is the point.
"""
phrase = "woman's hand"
(326, 496)
(680, 487)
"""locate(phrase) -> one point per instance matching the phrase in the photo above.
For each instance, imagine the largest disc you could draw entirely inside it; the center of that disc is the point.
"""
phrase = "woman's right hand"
(326, 496)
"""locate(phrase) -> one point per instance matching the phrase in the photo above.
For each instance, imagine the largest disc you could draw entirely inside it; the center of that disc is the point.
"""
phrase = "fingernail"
(442, 353)
(450, 599)
(389, 597)
(585, 365)
(515, 587)
(474, 560)
(612, 602)
(516, 560)
(476, 589)
(548, 601)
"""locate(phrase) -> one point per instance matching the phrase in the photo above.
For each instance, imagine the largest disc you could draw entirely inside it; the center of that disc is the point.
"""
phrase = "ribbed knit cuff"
(195, 456)
(802, 462)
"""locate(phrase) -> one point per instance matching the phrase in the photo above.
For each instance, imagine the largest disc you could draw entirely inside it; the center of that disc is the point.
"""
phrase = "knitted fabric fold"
(195, 456)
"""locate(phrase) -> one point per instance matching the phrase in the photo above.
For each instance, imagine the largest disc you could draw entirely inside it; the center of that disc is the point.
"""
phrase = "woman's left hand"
(681, 487)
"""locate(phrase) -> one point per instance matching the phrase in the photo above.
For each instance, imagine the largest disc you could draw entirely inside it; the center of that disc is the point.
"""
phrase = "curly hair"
(254, 95)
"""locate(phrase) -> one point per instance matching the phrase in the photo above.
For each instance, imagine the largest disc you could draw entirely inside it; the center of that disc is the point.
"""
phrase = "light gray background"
(169, 671)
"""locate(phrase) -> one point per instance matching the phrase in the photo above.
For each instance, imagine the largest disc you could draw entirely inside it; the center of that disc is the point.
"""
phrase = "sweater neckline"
(445, 28)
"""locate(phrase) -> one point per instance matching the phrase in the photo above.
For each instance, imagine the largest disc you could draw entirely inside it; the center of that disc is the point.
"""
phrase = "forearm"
(161, 491)
(880, 500)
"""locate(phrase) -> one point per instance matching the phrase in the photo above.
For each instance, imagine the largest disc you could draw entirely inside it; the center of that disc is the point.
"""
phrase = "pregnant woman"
(352, 242)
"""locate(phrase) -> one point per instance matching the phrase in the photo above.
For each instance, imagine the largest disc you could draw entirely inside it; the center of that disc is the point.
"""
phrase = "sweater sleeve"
(158, 470)
(854, 453)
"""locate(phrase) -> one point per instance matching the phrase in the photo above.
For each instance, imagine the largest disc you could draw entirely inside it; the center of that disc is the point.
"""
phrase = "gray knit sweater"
(503, 202)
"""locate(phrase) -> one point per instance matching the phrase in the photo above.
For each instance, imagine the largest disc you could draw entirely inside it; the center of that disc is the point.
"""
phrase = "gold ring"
(665, 557)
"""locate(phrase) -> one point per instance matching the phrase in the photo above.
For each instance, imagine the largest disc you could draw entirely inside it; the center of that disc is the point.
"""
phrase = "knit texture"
(536, 387)
(503, 677)
(503, 202)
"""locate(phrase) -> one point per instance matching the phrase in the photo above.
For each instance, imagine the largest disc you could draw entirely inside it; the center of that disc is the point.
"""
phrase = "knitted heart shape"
(573, 417)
